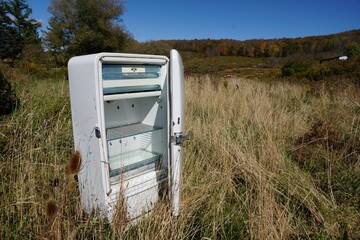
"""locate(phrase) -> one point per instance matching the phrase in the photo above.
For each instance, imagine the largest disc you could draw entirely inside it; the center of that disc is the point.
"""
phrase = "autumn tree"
(85, 26)
(272, 51)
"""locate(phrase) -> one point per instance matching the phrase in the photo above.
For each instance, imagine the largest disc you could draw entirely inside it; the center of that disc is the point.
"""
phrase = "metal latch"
(179, 138)
(97, 132)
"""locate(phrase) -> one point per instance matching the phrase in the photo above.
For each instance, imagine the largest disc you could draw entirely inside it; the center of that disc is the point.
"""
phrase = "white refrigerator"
(128, 120)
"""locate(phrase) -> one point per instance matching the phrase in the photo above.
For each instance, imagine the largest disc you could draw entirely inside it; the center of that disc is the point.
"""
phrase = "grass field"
(267, 160)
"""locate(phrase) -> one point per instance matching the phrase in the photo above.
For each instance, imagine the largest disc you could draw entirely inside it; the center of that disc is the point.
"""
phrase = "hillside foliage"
(316, 46)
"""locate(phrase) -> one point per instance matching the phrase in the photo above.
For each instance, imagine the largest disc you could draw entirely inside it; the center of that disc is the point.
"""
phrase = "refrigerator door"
(177, 102)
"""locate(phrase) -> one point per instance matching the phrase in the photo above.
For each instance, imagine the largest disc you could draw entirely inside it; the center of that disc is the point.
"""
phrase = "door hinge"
(179, 138)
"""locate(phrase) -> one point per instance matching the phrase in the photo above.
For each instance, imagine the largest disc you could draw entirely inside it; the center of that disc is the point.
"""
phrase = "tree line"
(79, 27)
(347, 43)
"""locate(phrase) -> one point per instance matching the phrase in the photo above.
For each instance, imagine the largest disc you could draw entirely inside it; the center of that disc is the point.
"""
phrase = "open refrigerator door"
(177, 104)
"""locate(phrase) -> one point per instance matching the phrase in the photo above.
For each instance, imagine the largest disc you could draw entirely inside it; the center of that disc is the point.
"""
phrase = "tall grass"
(266, 161)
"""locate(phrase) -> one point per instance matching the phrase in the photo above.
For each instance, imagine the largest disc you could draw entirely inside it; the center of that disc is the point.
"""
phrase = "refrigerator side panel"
(86, 122)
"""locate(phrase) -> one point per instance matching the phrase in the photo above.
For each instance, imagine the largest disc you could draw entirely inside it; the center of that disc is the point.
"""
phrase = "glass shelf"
(132, 95)
(129, 130)
(131, 89)
(132, 160)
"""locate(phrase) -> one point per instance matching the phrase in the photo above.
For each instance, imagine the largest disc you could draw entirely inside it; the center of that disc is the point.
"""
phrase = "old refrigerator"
(128, 119)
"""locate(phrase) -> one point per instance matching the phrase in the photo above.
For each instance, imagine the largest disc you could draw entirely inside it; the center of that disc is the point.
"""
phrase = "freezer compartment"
(124, 78)
(130, 71)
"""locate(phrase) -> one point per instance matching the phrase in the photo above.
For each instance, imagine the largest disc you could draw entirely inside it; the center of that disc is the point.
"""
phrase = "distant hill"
(315, 46)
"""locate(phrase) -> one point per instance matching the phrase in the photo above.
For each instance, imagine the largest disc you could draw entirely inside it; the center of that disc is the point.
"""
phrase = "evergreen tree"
(17, 28)
(9, 47)
(26, 27)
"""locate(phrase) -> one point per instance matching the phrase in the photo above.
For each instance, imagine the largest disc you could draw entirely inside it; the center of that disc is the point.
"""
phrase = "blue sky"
(231, 19)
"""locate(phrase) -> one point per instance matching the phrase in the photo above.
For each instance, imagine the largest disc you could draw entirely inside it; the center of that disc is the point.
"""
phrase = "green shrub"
(58, 73)
(8, 99)
(315, 71)
(273, 75)
(39, 70)
(352, 50)
(32, 69)
(318, 72)
(294, 68)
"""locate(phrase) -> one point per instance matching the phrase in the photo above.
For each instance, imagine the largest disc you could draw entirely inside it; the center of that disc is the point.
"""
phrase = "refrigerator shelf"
(130, 89)
(132, 160)
(129, 130)
(132, 95)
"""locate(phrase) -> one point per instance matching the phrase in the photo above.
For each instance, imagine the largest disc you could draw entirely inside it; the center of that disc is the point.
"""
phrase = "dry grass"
(266, 161)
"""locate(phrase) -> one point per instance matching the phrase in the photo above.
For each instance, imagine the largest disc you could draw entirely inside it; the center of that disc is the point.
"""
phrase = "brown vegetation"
(268, 159)
(73, 166)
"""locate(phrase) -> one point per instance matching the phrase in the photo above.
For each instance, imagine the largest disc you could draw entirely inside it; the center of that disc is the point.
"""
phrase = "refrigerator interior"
(136, 116)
